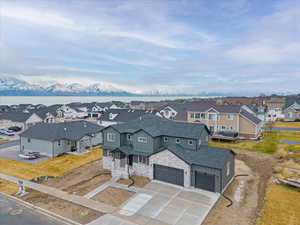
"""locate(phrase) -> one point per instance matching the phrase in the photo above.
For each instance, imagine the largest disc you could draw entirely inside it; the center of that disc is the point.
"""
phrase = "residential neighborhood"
(149, 112)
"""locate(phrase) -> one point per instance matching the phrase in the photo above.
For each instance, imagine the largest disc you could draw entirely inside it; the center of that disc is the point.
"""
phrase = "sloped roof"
(15, 116)
(205, 156)
(157, 126)
(125, 115)
(290, 100)
(73, 130)
(251, 117)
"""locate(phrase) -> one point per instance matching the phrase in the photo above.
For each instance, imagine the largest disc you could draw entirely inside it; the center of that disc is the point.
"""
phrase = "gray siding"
(65, 146)
(203, 137)
(36, 145)
(114, 144)
(207, 170)
(97, 139)
(225, 178)
(184, 142)
(143, 147)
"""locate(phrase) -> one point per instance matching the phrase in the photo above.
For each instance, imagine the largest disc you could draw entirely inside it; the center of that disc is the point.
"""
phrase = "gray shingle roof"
(125, 115)
(205, 156)
(74, 130)
(157, 126)
(15, 116)
(251, 117)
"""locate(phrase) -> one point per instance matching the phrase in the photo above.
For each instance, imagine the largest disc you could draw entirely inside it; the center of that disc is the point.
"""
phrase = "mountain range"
(10, 86)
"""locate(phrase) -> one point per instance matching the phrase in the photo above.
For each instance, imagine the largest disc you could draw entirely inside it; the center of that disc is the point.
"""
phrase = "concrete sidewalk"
(79, 200)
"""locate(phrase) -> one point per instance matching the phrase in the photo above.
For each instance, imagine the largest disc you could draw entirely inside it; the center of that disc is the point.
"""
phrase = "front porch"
(123, 165)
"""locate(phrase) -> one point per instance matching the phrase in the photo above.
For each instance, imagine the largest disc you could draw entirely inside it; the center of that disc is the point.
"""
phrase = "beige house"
(292, 113)
(227, 118)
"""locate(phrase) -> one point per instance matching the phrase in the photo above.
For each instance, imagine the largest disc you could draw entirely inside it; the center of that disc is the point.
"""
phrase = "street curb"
(50, 214)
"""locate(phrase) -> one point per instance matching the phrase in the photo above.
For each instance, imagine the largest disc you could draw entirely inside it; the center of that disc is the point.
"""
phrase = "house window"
(200, 142)
(212, 116)
(290, 114)
(206, 138)
(111, 137)
(197, 115)
(192, 115)
(202, 115)
(142, 139)
(58, 143)
(228, 169)
(223, 128)
(166, 139)
(190, 142)
(231, 128)
(230, 116)
(177, 140)
(128, 137)
(28, 140)
(143, 159)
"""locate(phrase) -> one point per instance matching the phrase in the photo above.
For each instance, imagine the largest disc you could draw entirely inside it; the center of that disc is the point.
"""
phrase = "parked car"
(15, 128)
(7, 132)
(30, 155)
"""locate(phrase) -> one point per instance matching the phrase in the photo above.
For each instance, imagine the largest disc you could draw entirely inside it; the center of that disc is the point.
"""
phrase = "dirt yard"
(64, 208)
(113, 196)
(81, 180)
(139, 181)
(246, 192)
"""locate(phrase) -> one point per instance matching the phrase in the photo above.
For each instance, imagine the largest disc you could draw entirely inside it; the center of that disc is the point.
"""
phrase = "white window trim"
(111, 137)
(216, 116)
(228, 169)
(142, 139)
(229, 116)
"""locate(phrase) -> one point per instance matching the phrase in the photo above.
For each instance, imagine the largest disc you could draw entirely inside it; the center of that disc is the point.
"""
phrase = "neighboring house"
(115, 116)
(137, 105)
(292, 112)
(275, 107)
(19, 119)
(47, 114)
(232, 118)
(69, 112)
(52, 139)
(168, 151)
(4, 108)
(259, 111)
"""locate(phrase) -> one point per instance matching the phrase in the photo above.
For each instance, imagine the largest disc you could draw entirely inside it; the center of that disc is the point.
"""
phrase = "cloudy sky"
(191, 46)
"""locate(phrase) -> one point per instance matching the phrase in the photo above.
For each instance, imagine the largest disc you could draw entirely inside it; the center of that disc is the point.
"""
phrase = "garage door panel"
(168, 174)
(205, 181)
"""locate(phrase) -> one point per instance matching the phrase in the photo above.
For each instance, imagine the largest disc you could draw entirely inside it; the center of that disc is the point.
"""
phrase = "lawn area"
(281, 207)
(271, 142)
(8, 187)
(3, 140)
(50, 167)
(286, 124)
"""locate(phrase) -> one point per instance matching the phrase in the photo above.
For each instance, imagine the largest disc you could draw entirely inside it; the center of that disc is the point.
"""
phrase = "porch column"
(77, 146)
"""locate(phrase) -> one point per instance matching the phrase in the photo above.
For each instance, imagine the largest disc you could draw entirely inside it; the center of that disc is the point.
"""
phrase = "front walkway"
(79, 200)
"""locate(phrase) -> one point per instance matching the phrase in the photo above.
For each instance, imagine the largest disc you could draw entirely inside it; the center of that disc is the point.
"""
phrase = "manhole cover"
(15, 212)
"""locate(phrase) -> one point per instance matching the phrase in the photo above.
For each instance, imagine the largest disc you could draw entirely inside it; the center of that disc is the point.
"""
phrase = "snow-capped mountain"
(16, 86)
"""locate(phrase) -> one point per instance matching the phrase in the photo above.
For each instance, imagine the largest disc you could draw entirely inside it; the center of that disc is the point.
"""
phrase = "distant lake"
(50, 100)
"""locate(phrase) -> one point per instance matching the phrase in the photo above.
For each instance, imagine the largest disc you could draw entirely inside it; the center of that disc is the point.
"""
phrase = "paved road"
(9, 144)
(12, 213)
(282, 128)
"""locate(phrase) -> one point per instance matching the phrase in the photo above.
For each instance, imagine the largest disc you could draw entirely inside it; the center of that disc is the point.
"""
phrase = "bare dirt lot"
(61, 207)
(246, 192)
(138, 181)
(113, 196)
(81, 180)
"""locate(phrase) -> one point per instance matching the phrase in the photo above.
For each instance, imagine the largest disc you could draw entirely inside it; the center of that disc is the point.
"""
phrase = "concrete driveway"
(171, 204)
(13, 152)
(9, 144)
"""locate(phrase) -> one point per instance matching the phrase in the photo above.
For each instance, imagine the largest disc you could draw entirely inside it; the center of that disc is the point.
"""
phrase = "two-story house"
(226, 118)
(168, 151)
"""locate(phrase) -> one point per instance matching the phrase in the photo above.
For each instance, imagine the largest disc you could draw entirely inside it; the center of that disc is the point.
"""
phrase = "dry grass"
(282, 206)
(113, 196)
(50, 167)
(139, 181)
(8, 187)
(271, 142)
(286, 124)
